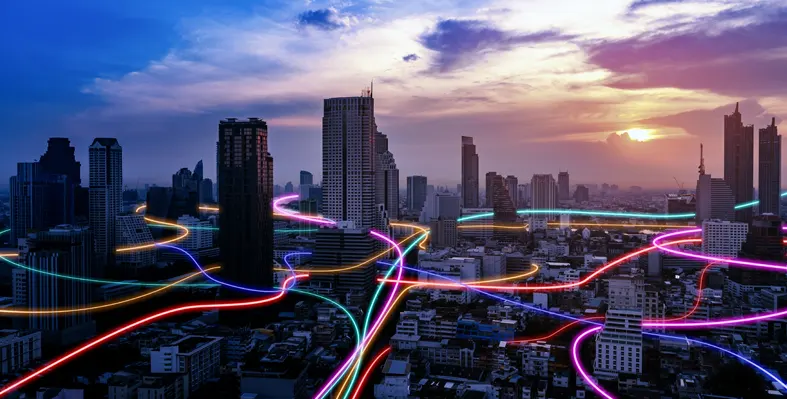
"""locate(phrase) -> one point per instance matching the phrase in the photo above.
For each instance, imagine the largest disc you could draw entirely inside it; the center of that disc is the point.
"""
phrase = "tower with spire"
(769, 179)
(739, 161)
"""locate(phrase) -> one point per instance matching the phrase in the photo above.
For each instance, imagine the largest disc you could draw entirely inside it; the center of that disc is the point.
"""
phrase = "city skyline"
(584, 70)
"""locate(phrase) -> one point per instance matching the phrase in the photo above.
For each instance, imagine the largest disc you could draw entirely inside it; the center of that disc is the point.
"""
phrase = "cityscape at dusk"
(487, 199)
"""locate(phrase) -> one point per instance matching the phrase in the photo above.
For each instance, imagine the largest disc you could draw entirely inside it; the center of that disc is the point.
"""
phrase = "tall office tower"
(715, 199)
(339, 247)
(581, 194)
(199, 173)
(739, 162)
(770, 176)
(306, 178)
(132, 231)
(469, 174)
(505, 211)
(619, 346)
(512, 184)
(386, 177)
(106, 196)
(489, 190)
(723, 238)
(245, 202)
(63, 250)
(183, 179)
(38, 200)
(416, 192)
(206, 191)
(544, 192)
(348, 160)
(59, 159)
(562, 186)
(289, 188)
(443, 233)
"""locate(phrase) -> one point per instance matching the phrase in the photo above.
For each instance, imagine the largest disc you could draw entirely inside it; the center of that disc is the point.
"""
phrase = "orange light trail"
(697, 301)
(145, 320)
(153, 245)
(112, 304)
(550, 287)
(368, 371)
(347, 268)
(422, 244)
(554, 333)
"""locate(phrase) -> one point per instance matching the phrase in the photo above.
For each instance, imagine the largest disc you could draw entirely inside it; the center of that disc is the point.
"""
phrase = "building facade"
(469, 173)
(739, 162)
(723, 238)
(106, 196)
(770, 175)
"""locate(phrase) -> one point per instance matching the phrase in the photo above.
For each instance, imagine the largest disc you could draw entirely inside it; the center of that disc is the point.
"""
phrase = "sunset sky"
(542, 85)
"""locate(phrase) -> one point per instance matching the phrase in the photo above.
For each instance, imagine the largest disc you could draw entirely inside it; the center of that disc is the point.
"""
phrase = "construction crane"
(681, 190)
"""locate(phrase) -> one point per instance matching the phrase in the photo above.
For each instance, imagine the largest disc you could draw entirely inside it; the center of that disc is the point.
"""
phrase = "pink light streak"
(286, 212)
(578, 362)
(377, 323)
(747, 263)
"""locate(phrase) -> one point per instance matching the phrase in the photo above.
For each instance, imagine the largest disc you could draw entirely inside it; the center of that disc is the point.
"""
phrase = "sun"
(638, 134)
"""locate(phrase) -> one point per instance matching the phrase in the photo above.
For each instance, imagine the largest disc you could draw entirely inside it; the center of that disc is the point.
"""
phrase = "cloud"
(739, 52)
(410, 58)
(639, 4)
(323, 19)
(460, 43)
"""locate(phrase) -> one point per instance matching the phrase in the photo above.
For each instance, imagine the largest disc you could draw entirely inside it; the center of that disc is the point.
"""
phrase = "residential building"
(197, 357)
(18, 350)
(619, 345)
(106, 197)
(132, 231)
(723, 238)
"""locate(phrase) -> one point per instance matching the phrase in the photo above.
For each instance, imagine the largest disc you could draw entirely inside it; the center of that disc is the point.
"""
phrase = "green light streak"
(101, 281)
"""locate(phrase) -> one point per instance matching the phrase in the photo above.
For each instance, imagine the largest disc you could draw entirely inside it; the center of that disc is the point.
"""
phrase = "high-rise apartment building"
(386, 177)
(562, 186)
(64, 250)
(416, 192)
(469, 173)
(200, 235)
(340, 247)
(106, 196)
(770, 176)
(198, 357)
(739, 162)
(512, 184)
(349, 160)
(619, 345)
(131, 231)
(544, 192)
(723, 238)
(59, 159)
(245, 202)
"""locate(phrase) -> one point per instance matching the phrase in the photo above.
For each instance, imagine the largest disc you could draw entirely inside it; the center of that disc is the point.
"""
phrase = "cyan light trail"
(606, 213)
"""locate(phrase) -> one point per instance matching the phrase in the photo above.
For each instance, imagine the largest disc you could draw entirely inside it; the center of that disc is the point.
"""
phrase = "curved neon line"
(286, 212)
(153, 244)
(4, 231)
(102, 281)
(761, 265)
(111, 304)
(377, 322)
(578, 362)
(550, 287)
(368, 371)
(553, 333)
(145, 320)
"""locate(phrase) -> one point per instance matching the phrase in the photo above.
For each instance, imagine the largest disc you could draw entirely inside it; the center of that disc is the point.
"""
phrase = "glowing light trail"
(288, 213)
(368, 371)
(145, 320)
(657, 241)
(587, 279)
(577, 361)
(554, 333)
(112, 304)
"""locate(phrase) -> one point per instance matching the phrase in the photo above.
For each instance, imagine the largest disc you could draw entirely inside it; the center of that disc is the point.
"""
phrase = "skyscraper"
(59, 159)
(489, 190)
(562, 186)
(469, 173)
(770, 169)
(714, 197)
(416, 192)
(288, 188)
(106, 196)
(739, 162)
(544, 192)
(306, 178)
(581, 194)
(512, 184)
(505, 211)
(387, 177)
(343, 246)
(348, 160)
(245, 202)
(38, 200)
(64, 250)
